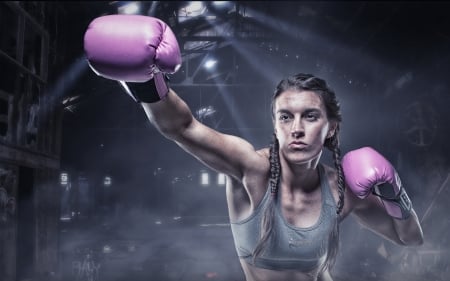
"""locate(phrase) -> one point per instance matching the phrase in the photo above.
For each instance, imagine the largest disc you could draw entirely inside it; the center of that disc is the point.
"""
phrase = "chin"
(304, 156)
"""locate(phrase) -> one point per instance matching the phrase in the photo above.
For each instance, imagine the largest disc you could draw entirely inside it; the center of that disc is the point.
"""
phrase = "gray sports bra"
(291, 247)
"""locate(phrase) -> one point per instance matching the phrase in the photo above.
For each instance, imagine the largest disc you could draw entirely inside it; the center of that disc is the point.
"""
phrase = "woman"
(284, 205)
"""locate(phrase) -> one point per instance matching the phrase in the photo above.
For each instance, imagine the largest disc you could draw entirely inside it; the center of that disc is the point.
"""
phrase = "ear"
(332, 129)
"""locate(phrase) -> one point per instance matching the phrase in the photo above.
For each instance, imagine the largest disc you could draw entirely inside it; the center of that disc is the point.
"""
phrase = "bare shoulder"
(262, 165)
(245, 194)
(256, 179)
(264, 152)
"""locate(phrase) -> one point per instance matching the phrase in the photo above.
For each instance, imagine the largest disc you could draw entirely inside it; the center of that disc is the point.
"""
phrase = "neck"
(302, 177)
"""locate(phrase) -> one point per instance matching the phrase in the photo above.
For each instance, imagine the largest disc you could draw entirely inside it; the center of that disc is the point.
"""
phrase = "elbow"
(168, 132)
(172, 127)
(413, 243)
(416, 242)
(412, 240)
(171, 118)
(174, 130)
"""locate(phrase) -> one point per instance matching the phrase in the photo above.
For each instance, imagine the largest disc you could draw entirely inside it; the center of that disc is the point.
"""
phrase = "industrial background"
(89, 190)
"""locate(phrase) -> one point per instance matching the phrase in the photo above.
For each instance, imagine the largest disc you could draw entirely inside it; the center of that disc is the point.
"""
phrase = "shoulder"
(264, 152)
(245, 194)
(257, 177)
(261, 166)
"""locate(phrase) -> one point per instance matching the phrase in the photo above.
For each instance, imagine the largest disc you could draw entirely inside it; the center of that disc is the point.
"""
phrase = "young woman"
(285, 206)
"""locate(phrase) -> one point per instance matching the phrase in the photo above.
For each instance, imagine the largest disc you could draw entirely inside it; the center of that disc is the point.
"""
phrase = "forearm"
(171, 116)
(405, 221)
(409, 230)
(371, 213)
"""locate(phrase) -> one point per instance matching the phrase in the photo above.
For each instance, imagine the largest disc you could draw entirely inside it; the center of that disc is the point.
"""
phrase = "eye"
(312, 116)
(283, 117)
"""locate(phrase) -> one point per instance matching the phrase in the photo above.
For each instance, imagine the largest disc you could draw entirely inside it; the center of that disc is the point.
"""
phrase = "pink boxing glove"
(366, 171)
(133, 48)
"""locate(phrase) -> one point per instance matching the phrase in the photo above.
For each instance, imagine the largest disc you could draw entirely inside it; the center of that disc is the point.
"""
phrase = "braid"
(267, 220)
(333, 145)
(341, 179)
(333, 243)
(274, 166)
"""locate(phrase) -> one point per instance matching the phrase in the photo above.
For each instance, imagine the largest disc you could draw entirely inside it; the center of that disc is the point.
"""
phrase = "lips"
(297, 145)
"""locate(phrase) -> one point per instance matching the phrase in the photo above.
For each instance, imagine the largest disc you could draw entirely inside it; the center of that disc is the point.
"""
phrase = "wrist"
(152, 91)
(399, 206)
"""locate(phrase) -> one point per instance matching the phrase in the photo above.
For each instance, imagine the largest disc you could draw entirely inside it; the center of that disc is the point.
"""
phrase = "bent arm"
(370, 213)
(224, 153)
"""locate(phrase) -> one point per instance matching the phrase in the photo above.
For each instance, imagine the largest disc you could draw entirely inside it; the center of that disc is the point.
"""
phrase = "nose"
(297, 130)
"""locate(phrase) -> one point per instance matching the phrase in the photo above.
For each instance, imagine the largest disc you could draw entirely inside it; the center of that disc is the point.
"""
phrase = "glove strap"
(399, 206)
(153, 90)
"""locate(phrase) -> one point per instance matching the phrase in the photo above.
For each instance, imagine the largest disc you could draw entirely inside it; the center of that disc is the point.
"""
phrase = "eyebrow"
(305, 111)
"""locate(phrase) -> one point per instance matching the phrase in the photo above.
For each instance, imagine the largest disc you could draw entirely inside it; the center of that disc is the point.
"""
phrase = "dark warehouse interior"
(91, 191)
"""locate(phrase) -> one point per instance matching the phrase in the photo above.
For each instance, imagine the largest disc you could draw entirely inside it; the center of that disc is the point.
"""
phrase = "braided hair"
(305, 82)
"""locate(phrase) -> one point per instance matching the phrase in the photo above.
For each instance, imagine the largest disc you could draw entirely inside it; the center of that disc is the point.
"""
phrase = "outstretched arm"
(137, 51)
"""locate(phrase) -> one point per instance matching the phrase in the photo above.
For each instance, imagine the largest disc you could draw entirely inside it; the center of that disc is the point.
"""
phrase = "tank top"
(290, 247)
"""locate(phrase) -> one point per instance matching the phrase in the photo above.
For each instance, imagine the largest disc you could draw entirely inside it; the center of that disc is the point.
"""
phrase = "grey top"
(291, 247)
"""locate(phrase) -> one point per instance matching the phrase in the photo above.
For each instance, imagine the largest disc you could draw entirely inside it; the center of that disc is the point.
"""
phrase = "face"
(301, 126)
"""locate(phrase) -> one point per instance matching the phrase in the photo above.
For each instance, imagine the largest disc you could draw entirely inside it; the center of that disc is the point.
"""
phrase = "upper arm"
(222, 152)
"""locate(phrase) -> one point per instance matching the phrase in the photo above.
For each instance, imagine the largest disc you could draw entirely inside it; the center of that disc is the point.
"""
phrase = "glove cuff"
(398, 207)
(153, 90)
